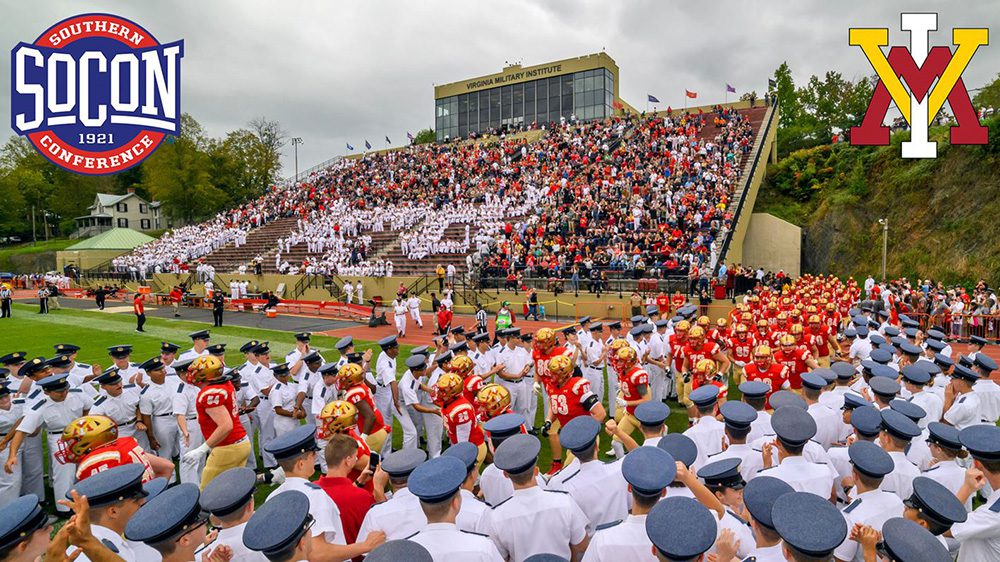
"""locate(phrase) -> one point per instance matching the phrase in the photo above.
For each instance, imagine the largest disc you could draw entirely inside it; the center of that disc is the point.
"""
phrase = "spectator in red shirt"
(175, 300)
(444, 316)
(139, 308)
(351, 498)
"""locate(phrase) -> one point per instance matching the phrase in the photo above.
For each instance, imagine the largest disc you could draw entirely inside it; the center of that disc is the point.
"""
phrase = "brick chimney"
(130, 190)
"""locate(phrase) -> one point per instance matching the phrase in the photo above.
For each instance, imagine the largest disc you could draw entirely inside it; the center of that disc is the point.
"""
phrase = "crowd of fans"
(636, 196)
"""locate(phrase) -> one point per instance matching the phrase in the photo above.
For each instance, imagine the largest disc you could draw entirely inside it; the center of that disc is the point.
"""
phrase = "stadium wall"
(773, 244)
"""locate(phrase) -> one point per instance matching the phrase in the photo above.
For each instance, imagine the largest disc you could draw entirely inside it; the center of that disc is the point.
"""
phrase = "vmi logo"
(96, 93)
(919, 66)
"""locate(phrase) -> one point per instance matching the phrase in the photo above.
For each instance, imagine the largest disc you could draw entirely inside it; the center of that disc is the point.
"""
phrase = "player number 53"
(97, 138)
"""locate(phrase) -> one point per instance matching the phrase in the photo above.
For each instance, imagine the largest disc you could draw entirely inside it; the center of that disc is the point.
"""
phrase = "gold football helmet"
(349, 375)
(206, 368)
(461, 366)
(491, 401)
(449, 387)
(83, 436)
(560, 369)
(337, 417)
(545, 339)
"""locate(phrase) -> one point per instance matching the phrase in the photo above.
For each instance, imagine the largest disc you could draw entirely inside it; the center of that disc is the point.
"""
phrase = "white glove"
(621, 402)
(194, 456)
(278, 476)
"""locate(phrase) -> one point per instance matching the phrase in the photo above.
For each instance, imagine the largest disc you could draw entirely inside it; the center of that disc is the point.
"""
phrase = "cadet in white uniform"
(961, 404)
(306, 380)
(872, 506)
(494, 487)
(754, 395)
(758, 498)
(648, 470)
(516, 367)
(228, 499)
(296, 357)
(724, 480)
(185, 412)
(437, 484)
(400, 516)
(60, 407)
(120, 487)
(533, 520)
(599, 489)
(413, 304)
(794, 428)
(78, 377)
(979, 535)
(707, 432)
(261, 381)
(282, 398)
(120, 402)
(828, 421)
(156, 406)
(11, 410)
(31, 454)
(409, 397)
(199, 345)
(916, 380)
(987, 389)
(471, 513)
(738, 418)
(386, 389)
(592, 359)
(945, 448)
(399, 310)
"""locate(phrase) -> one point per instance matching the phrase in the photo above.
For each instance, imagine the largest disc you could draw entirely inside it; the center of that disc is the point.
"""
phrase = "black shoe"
(533, 431)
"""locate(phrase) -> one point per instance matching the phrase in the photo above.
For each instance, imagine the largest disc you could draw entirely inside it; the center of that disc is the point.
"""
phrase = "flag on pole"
(669, 110)
(771, 83)
(387, 141)
(690, 94)
(368, 145)
(651, 98)
(730, 89)
(349, 147)
(617, 105)
(409, 135)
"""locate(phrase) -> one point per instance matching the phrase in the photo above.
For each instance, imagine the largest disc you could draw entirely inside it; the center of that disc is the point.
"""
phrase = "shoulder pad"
(608, 525)
(560, 491)
(111, 546)
(180, 388)
(313, 485)
(40, 404)
(35, 393)
(995, 508)
(144, 389)
(322, 392)
(17, 401)
(501, 503)
(129, 385)
(277, 385)
(474, 533)
(768, 468)
(133, 364)
(100, 400)
(244, 384)
(853, 505)
(76, 390)
(84, 365)
(411, 536)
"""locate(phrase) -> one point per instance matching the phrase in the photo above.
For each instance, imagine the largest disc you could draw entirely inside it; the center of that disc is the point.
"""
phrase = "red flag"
(669, 110)
(690, 94)
(617, 105)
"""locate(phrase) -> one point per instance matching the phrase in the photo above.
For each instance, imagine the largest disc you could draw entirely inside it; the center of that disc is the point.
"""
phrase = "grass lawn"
(94, 332)
(52, 245)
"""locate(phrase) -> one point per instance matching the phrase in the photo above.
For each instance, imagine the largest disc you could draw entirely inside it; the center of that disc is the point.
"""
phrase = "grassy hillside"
(943, 213)
(33, 258)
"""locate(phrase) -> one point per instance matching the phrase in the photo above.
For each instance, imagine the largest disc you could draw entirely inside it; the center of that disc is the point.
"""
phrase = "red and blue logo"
(96, 94)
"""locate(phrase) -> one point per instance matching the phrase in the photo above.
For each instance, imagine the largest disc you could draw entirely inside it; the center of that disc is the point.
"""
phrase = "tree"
(988, 95)
(250, 165)
(272, 138)
(424, 136)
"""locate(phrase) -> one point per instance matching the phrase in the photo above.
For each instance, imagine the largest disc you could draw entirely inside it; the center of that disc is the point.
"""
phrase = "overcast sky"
(336, 72)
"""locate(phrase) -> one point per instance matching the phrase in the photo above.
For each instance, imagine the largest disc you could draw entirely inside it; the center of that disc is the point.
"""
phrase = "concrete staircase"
(262, 241)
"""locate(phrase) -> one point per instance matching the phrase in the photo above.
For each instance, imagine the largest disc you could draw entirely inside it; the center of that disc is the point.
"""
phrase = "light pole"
(295, 144)
(885, 242)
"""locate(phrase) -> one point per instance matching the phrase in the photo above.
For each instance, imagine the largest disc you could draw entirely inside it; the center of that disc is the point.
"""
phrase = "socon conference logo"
(919, 66)
(96, 93)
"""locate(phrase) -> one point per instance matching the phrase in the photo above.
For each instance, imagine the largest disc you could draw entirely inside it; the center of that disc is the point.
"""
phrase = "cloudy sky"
(336, 72)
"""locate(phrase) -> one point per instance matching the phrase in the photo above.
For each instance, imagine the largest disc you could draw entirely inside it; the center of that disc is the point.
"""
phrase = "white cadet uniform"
(760, 427)
(979, 535)
(483, 361)
(261, 378)
(185, 397)
(53, 417)
(115, 542)
(592, 367)
(803, 475)
(306, 380)
(931, 403)
(828, 424)
(189, 354)
(657, 348)
(950, 475)
(283, 396)
(521, 391)
(536, 521)
(740, 528)
(598, 488)
(385, 374)
(964, 411)
(741, 451)
(989, 400)
(408, 389)
(497, 488)
(321, 507)
(233, 537)
(707, 433)
(621, 540)
(77, 373)
(399, 310)
(446, 542)
(470, 514)
(157, 402)
(32, 481)
(10, 484)
(433, 424)
(122, 410)
(900, 480)
(244, 396)
(872, 508)
(413, 304)
(398, 517)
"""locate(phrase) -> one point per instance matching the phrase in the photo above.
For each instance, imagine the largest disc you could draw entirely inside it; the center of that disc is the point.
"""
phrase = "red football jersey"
(676, 351)
(121, 451)
(819, 339)
(214, 396)
(458, 414)
(542, 362)
(359, 393)
(567, 401)
(630, 384)
(796, 363)
(775, 377)
(706, 350)
(742, 349)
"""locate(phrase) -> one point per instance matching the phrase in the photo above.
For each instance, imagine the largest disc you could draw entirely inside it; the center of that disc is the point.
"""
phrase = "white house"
(127, 210)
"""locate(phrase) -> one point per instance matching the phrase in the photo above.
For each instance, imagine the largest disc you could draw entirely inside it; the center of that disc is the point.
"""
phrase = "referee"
(218, 306)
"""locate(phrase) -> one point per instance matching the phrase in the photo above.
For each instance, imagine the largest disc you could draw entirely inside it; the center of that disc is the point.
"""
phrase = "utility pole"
(885, 243)
(295, 144)
(34, 239)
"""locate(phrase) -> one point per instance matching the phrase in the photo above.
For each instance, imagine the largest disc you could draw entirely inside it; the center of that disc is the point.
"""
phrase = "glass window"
(484, 110)
(495, 107)
(473, 111)
(529, 102)
(542, 89)
(579, 82)
(145, 224)
(553, 87)
(506, 98)
(518, 102)
(142, 208)
(122, 223)
(542, 109)
(463, 110)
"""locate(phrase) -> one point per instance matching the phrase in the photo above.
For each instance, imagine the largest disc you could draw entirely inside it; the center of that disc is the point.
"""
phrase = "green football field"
(94, 332)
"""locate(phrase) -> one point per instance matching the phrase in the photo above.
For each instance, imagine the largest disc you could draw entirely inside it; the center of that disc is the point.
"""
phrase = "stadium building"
(584, 86)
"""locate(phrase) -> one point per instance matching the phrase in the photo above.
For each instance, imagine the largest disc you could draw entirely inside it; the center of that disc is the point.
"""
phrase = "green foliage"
(424, 136)
(989, 95)
(812, 114)
(194, 176)
(942, 212)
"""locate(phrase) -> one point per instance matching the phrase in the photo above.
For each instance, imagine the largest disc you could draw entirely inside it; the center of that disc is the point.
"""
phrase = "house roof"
(114, 239)
(108, 199)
